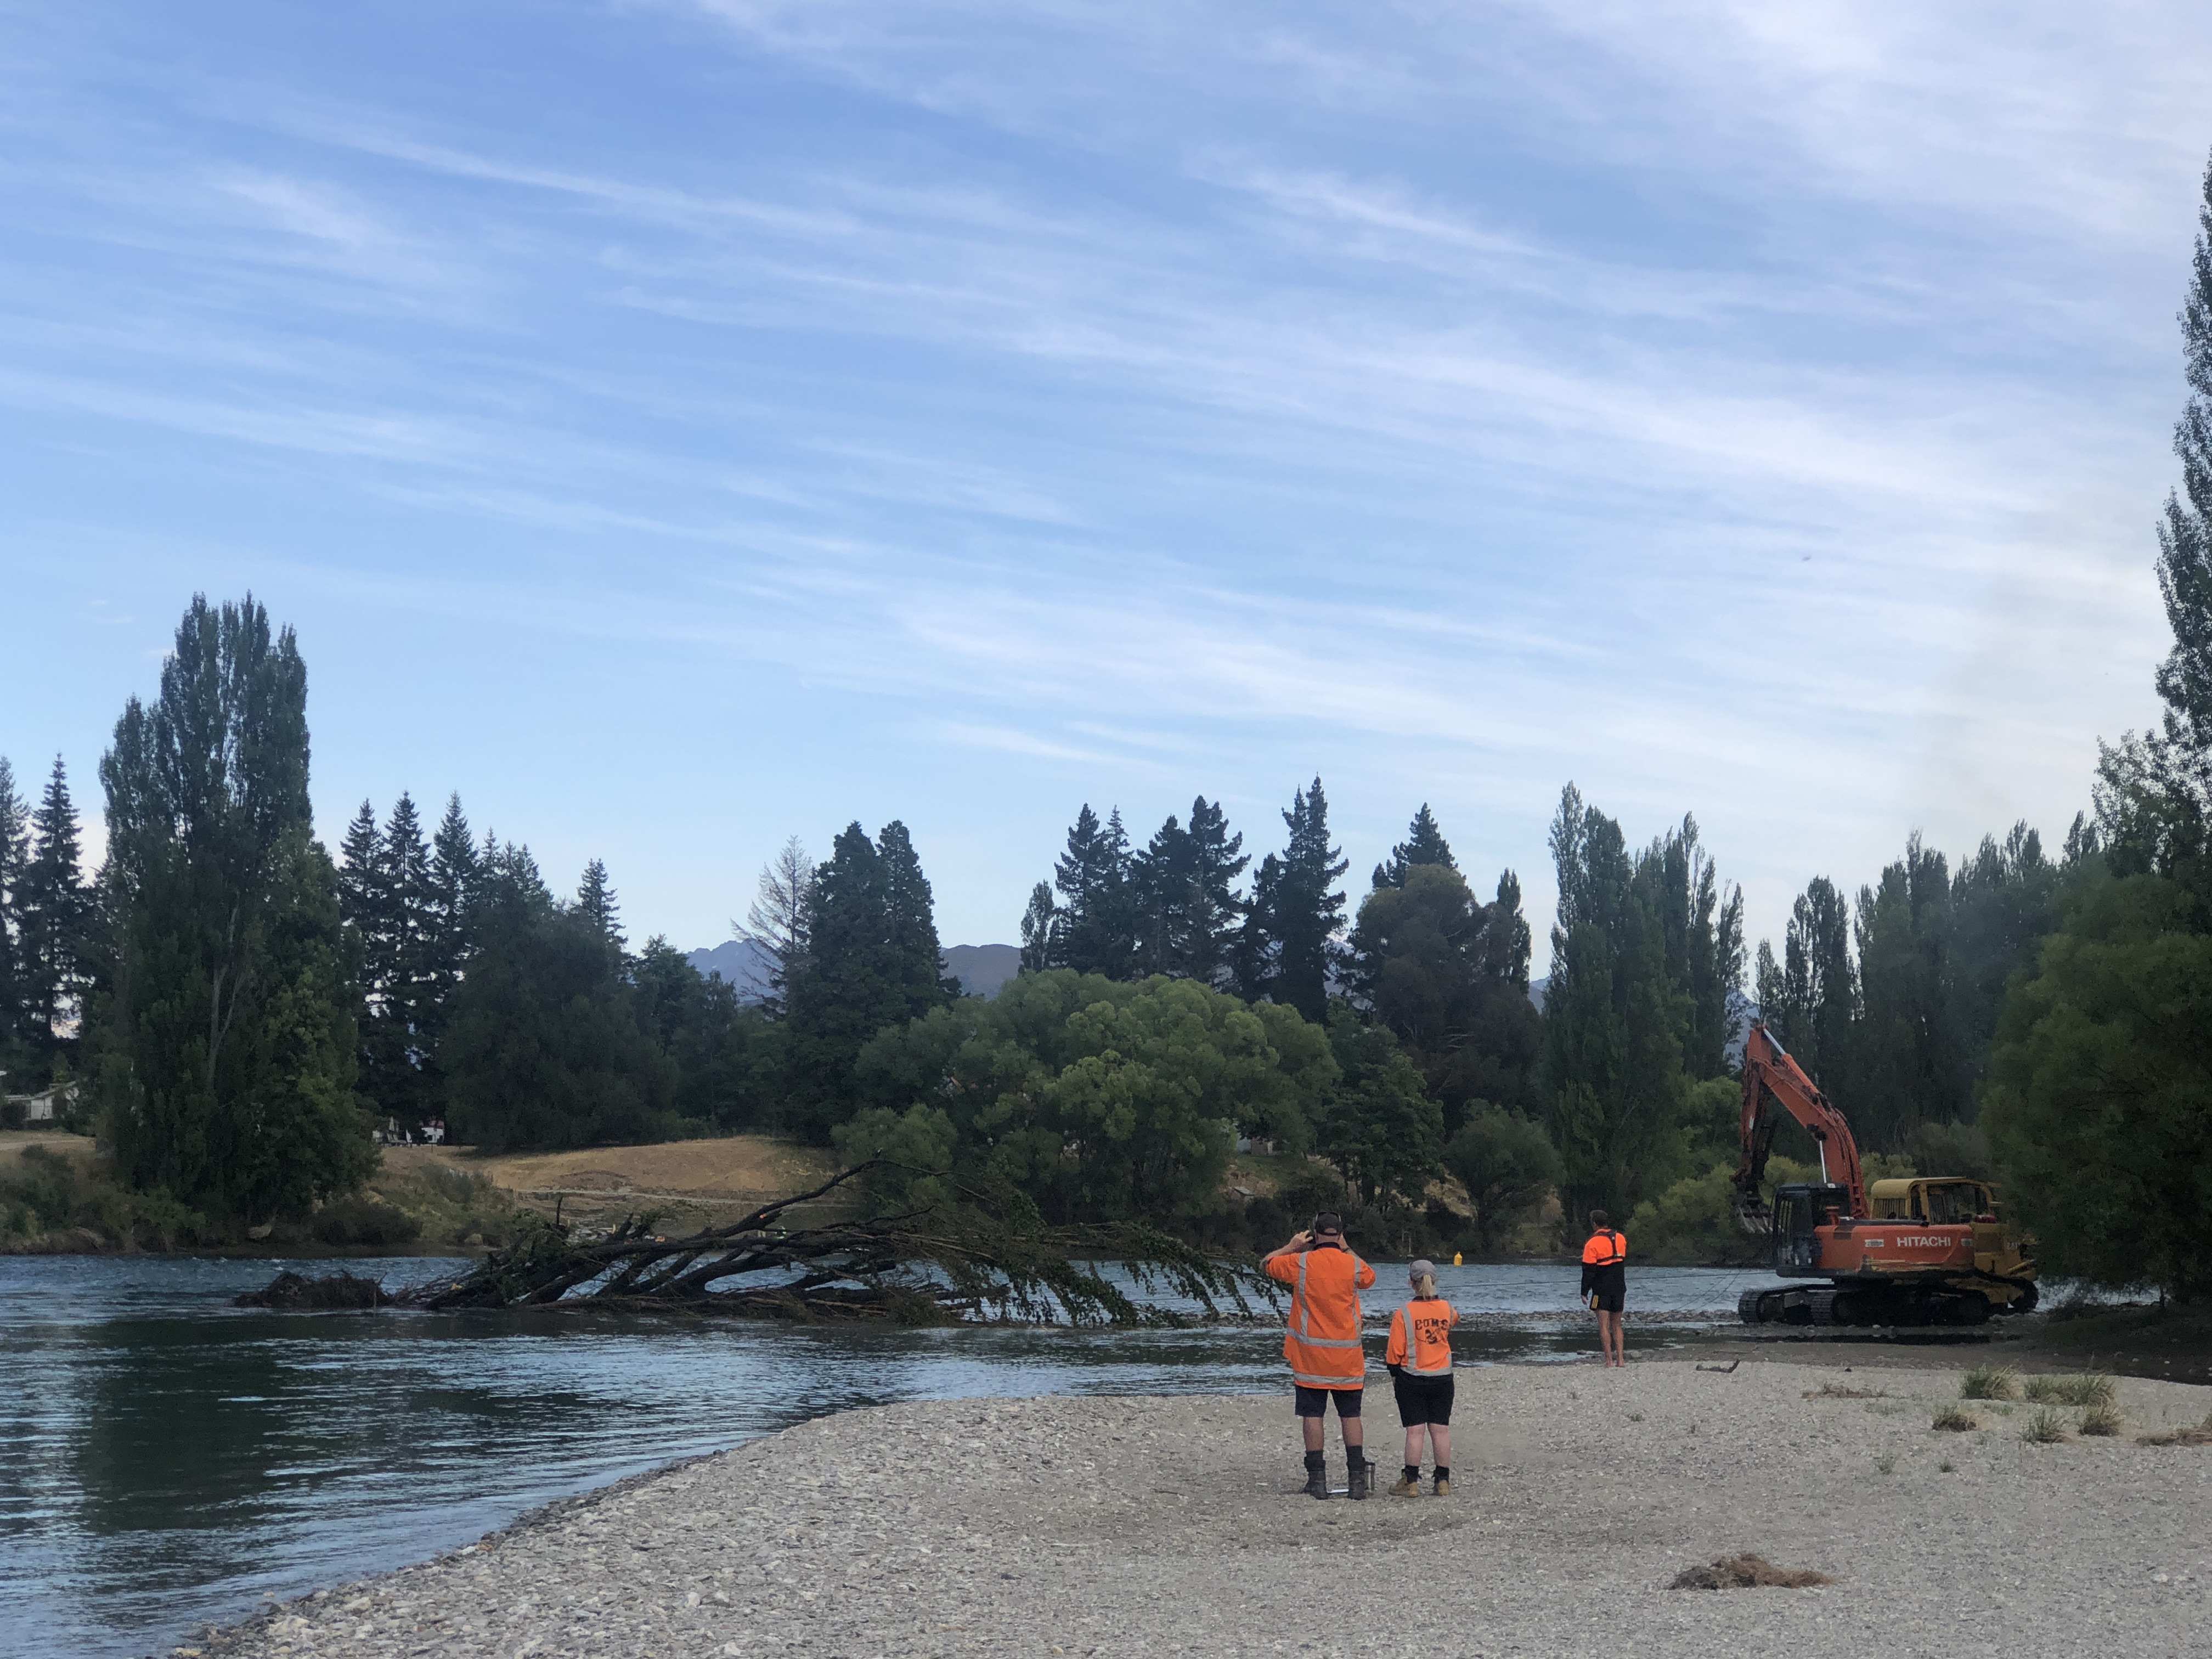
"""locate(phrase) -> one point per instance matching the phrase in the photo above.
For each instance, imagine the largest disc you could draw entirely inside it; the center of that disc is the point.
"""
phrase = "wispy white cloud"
(1453, 401)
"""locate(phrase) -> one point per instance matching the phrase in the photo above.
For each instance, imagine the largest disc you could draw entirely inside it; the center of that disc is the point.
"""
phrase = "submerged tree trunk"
(987, 1256)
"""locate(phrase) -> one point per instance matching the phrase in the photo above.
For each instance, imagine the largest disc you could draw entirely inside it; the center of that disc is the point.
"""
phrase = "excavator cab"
(1799, 1209)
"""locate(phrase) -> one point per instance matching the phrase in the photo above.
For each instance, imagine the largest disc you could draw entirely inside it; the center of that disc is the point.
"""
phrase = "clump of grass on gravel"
(2045, 1428)
(1989, 1382)
(1748, 1572)
(1954, 1420)
(1841, 1391)
(2099, 1418)
(2087, 1390)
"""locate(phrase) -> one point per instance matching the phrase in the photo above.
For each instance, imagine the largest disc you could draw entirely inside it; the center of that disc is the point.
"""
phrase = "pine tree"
(449, 881)
(1160, 882)
(1216, 861)
(597, 903)
(872, 961)
(1425, 843)
(54, 912)
(1306, 910)
(225, 1042)
(1098, 932)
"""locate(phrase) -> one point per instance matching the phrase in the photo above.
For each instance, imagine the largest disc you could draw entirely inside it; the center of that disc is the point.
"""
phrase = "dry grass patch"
(2199, 1436)
(1989, 1382)
(1748, 1572)
(1956, 1421)
(1843, 1391)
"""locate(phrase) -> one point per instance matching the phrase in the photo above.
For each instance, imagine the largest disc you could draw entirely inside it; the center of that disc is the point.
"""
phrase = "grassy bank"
(58, 1196)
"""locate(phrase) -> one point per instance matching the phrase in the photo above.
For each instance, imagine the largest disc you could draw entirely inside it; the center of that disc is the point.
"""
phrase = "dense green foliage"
(2099, 1103)
(221, 1035)
(1891, 1002)
(2100, 1100)
(1644, 955)
(1100, 1097)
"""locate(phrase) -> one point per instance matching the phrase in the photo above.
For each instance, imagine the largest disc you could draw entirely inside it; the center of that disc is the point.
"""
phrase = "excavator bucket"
(1753, 1213)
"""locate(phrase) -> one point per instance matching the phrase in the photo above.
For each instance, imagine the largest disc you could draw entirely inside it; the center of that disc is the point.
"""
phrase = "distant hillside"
(981, 969)
(741, 962)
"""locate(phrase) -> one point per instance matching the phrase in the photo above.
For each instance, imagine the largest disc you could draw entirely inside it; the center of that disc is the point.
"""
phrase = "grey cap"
(1422, 1265)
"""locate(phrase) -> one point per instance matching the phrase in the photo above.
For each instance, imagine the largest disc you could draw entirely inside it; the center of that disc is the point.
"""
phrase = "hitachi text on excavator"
(1925, 1250)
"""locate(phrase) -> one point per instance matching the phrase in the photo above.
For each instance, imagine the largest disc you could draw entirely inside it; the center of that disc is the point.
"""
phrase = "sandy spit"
(1085, 1526)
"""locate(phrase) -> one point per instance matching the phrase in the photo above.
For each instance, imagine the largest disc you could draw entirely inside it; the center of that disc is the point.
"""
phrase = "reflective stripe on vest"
(1302, 1318)
(1413, 1349)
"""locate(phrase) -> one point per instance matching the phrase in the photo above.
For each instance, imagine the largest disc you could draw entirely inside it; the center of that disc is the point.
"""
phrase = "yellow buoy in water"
(1455, 1258)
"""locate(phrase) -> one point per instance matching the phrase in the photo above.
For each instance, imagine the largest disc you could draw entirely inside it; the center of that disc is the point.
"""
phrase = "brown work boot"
(1442, 1487)
(1408, 1486)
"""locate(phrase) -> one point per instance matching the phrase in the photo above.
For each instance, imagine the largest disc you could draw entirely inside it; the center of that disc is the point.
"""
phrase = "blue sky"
(680, 426)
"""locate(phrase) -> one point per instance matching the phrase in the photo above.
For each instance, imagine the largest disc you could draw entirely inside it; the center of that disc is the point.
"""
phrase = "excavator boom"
(1772, 1080)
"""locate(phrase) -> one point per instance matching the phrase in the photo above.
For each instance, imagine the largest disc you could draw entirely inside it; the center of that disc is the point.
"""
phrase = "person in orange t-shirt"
(1605, 1285)
(1328, 1362)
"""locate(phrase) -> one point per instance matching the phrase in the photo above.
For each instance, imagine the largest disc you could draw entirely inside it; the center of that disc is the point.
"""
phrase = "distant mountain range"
(981, 969)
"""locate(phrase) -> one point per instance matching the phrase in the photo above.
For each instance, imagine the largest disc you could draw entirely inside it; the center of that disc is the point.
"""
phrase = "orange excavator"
(1922, 1250)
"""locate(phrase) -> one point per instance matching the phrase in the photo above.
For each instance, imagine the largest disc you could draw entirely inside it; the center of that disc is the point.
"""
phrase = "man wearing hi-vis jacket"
(1322, 1344)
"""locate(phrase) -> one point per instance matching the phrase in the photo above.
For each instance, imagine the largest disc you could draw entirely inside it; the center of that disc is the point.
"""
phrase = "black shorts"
(1423, 1400)
(1313, 1402)
(1609, 1301)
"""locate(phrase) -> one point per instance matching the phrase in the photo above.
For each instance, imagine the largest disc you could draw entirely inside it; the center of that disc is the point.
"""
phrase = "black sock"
(1316, 1461)
(1444, 1471)
(1412, 1471)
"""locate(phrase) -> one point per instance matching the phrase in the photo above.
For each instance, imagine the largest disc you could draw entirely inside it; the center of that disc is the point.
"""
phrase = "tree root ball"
(337, 1290)
(1746, 1572)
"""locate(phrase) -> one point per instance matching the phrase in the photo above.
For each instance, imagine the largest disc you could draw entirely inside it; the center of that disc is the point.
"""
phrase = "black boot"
(1316, 1475)
(1360, 1466)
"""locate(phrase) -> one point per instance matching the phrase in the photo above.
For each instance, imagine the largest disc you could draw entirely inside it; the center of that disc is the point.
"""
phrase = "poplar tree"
(225, 1039)
(1614, 1091)
(1040, 927)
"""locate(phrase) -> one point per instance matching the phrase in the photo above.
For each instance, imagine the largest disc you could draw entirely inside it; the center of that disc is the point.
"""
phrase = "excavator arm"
(1773, 1084)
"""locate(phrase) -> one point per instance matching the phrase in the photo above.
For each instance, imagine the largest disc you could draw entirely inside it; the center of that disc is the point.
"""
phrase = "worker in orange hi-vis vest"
(1323, 1346)
(1605, 1285)
(1420, 1359)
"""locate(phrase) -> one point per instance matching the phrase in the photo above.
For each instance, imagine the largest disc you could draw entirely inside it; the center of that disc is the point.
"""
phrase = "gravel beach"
(1084, 1526)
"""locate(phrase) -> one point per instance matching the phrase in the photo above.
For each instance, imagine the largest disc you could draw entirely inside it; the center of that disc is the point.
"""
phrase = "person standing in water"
(1421, 1364)
(1328, 1362)
(1605, 1285)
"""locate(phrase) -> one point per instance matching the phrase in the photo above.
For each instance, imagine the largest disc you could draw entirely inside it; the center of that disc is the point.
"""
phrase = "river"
(167, 1460)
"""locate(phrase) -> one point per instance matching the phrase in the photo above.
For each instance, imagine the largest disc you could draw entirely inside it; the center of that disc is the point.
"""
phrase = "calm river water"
(166, 1459)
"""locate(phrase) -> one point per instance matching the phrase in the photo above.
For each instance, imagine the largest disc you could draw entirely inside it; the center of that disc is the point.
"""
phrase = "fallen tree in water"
(977, 1253)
